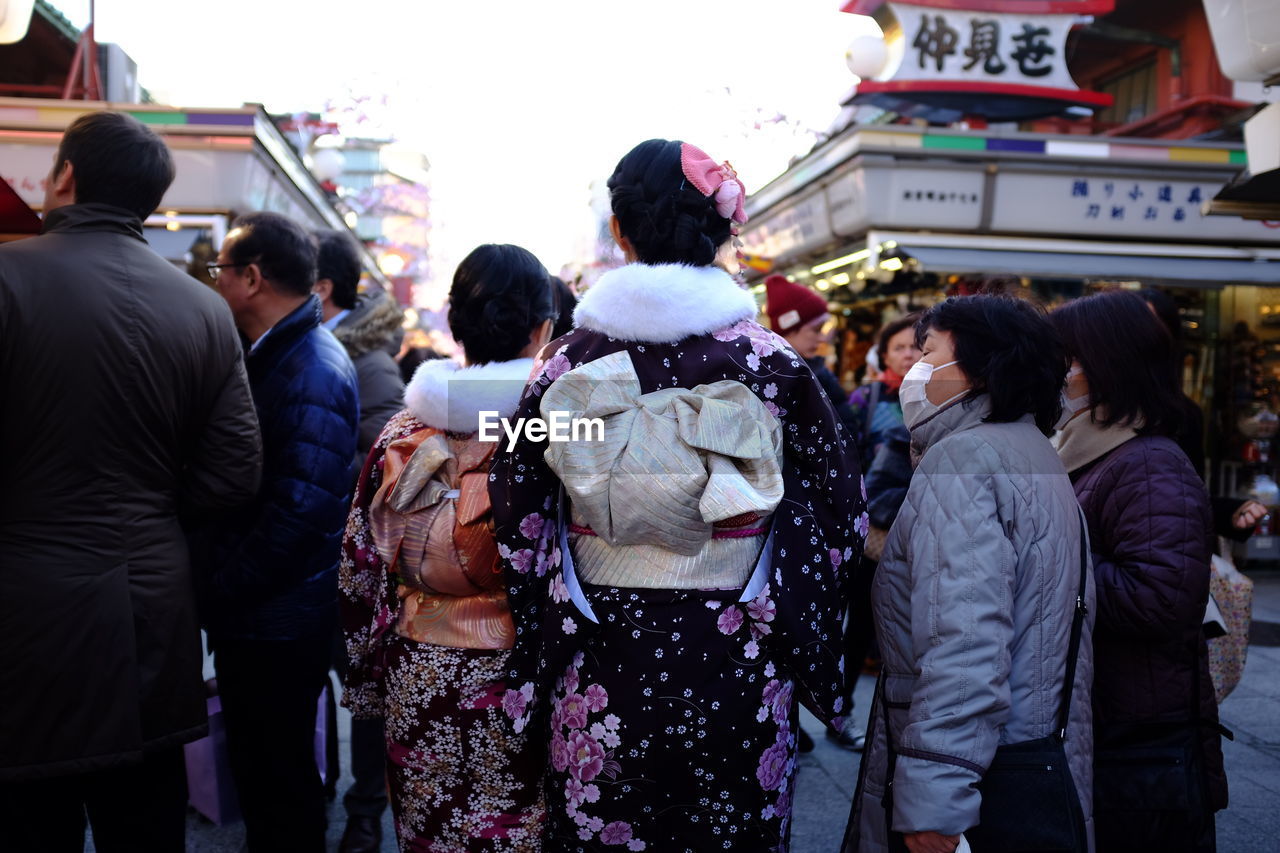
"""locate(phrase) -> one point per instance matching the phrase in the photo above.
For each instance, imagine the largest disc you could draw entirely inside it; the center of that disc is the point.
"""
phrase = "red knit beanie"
(790, 305)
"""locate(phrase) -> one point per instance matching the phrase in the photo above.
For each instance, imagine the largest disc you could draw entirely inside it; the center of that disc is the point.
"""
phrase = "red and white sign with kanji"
(1011, 56)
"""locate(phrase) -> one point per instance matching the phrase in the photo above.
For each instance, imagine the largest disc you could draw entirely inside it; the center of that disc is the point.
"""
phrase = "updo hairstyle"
(665, 217)
(499, 294)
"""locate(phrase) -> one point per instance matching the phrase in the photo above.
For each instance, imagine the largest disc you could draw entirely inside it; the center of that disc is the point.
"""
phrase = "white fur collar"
(445, 395)
(663, 303)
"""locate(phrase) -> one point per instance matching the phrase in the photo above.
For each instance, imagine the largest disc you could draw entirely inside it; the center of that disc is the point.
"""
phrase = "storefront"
(887, 219)
(229, 162)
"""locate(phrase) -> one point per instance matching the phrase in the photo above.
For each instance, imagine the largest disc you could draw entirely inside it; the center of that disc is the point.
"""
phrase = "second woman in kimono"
(423, 601)
(674, 576)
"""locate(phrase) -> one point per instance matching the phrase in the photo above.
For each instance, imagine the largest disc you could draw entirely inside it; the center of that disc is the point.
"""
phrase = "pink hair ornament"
(715, 179)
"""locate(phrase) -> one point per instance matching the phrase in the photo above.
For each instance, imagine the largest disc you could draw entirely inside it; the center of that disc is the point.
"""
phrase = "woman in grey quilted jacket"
(977, 586)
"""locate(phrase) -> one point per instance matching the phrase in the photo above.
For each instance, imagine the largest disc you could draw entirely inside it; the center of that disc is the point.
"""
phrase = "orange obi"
(480, 621)
(432, 524)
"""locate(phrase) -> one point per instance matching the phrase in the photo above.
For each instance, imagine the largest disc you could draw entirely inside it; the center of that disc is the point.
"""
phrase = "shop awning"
(1185, 271)
(1250, 196)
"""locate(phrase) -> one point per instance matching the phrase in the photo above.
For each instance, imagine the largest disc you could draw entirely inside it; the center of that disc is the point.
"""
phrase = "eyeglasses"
(215, 269)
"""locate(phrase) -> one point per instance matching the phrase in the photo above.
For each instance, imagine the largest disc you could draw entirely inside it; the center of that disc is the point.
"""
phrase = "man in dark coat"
(369, 327)
(125, 402)
(272, 569)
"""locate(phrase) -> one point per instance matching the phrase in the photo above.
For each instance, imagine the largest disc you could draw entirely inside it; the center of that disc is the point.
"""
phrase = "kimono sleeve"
(524, 493)
(367, 602)
(819, 529)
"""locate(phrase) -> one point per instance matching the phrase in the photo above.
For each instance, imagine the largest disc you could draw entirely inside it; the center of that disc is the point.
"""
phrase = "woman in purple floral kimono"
(674, 574)
(423, 601)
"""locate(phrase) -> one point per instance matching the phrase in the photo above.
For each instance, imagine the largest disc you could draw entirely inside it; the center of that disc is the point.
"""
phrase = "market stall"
(229, 162)
(889, 218)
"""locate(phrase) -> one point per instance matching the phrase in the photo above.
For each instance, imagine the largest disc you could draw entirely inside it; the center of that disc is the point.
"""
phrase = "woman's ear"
(538, 337)
(542, 334)
(628, 251)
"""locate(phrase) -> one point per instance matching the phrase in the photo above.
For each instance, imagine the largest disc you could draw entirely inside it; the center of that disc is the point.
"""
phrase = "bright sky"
(518, 105)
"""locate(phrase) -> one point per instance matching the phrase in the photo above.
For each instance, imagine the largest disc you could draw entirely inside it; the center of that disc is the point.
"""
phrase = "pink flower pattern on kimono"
(586, 756)
(773, 765)
(618, 832)
(862, 525)
(549, 371)
(596, 698)
(761, 608)
(571, 680)
(559, 752)
(763, 342)
(514, 703)
(559, 592)
(573, 711)
(583, 755)
(531, 527)
(730, 620)
(522, 560)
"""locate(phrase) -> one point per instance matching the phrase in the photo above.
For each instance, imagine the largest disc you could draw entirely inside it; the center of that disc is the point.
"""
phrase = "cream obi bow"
(672, 462)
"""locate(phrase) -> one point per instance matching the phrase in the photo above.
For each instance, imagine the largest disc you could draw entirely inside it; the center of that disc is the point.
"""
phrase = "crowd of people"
(531, 632)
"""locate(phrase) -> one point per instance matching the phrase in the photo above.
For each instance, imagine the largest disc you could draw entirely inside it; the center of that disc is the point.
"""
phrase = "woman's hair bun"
(499, 294)
(666, 219)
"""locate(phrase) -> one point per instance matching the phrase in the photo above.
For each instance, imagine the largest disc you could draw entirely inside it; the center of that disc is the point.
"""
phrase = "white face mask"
(916, 406)
(1072, 407)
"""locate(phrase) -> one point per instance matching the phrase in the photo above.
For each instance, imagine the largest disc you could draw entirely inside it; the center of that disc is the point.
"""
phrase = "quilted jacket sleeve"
(305, 487)
(1151, 531)
(962, 588)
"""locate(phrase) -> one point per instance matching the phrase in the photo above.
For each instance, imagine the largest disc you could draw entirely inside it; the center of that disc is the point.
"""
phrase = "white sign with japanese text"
(990, 47)
(1114, 206)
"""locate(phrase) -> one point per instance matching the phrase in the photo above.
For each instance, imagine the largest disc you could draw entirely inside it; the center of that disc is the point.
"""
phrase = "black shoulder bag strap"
(1077, 631)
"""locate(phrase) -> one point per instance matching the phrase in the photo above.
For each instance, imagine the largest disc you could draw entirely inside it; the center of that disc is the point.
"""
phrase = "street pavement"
(827, 776)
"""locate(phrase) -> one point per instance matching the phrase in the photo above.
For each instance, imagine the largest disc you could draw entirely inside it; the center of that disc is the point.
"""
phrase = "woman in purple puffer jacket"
(1151, 529)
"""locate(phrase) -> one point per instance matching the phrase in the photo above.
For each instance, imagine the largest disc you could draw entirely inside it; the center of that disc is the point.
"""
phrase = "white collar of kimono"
(663, 303)
(445, 395)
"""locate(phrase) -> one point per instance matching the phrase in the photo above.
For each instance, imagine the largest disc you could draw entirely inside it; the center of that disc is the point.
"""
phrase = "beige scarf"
(1082, 441)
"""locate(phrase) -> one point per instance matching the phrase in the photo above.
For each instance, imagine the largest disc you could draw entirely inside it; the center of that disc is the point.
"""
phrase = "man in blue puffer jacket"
(272, 576)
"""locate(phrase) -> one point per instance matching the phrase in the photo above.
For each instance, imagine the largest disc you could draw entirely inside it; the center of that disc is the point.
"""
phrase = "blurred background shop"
(1050, 149)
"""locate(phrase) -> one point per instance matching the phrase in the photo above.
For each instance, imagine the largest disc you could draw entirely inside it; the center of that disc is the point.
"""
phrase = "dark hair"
(281, 248)
(499, 293)
(891, 329)
(116, 160)
(1166, 309)
(338, 259)
(1127, 358)
(1008, 349)
(565, 302)
(666, 218)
